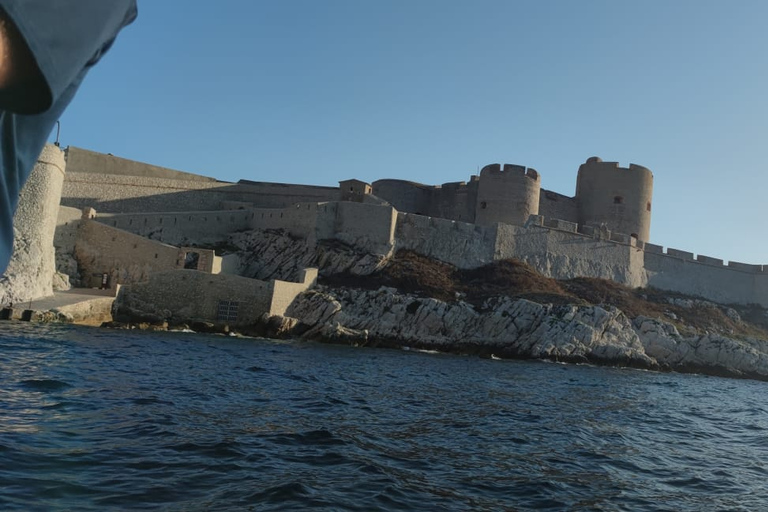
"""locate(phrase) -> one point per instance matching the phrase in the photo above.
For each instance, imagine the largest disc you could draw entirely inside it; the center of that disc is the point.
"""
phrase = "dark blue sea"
(94, 419)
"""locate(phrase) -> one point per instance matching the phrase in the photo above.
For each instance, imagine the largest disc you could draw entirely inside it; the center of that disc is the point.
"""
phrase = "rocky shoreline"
(505, 309)
(503, 327)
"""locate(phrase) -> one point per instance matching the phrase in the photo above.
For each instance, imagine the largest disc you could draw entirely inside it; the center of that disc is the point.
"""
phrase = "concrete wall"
(619, 197)
(84, 161)
(32, 268)
(124, 256)
(509, 195)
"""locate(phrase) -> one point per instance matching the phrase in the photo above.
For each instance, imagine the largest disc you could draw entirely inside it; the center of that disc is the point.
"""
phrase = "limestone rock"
(522, 328)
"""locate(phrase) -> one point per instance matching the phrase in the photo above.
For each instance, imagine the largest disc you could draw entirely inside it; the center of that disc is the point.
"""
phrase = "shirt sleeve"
(67, 36)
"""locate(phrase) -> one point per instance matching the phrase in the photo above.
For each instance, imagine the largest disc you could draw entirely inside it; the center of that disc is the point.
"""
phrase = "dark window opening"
(633, 235)
(191, 260)
(618, 200)
(648, 206)
(483, 205)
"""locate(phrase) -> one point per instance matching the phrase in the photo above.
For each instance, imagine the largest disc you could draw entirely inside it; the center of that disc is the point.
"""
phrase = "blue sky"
(309, 91)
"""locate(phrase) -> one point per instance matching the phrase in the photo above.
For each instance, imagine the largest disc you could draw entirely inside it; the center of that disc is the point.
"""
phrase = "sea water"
(94, 419)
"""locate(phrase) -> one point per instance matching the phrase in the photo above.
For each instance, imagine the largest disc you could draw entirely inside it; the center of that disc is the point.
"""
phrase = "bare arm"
(22, 86)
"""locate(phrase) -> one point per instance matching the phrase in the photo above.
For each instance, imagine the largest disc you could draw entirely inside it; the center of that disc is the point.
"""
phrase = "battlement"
(596, 161)
(509, 170)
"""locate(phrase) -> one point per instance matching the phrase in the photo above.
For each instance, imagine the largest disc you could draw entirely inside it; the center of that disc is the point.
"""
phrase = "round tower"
(615, 196)
(508, 195)
(33, 264)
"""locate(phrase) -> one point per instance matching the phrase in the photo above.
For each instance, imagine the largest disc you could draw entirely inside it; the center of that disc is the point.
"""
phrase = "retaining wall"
(181, 228)
(126, 257)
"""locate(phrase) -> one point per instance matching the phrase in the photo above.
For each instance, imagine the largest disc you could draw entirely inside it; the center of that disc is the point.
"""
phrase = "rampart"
(180, 228)
(600, 232)
(458, 243)
(123, 256)
(84, 161)
(187, 295)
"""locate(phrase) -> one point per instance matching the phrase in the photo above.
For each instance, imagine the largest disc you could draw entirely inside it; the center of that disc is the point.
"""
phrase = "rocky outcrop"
(273, 254)
(519, 328)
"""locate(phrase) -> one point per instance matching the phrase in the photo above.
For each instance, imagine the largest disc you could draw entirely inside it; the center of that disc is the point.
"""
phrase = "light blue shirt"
(66, 38)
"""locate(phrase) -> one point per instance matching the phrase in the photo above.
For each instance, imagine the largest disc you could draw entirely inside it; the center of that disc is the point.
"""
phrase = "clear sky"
(310, 91)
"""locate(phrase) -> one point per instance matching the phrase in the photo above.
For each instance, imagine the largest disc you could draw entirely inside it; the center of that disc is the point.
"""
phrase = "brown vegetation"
(412, 273)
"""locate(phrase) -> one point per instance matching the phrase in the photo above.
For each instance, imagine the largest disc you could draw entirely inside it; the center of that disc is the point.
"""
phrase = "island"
(495, 266)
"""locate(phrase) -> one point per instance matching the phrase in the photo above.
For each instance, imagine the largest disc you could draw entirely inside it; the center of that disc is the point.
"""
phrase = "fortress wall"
(126, 257)
(372, 224)
(558, 206)
(181, 228)
(456, 201)
(67, 224)
(684, 255)
(653, 248)
(284, 293)
(281, 195)
(84, 161)
(564, 254)
(141, 194)
(127, 194)
(186, 295)
(746, 267)
(710, 261)
(718, 283)
(298, 220)
(458, 243)
(405, 196)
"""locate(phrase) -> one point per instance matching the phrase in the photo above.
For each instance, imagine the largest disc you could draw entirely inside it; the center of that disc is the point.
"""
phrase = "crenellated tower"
(616, 196)
(508, 195)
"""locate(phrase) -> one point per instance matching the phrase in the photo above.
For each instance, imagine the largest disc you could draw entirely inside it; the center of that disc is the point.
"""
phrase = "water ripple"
(115, 420)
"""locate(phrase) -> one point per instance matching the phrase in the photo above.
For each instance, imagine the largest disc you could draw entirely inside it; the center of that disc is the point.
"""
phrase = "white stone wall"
(32, 268)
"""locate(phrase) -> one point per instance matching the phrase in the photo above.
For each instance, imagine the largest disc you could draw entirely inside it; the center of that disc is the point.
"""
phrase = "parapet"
(511, 170)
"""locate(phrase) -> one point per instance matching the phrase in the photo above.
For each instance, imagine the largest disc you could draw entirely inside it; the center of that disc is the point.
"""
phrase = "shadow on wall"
(128, 194)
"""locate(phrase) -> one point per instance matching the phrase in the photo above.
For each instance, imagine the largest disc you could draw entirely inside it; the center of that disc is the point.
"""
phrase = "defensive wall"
(81, 160)
(355, 223)
(589, 234)
(117, 193)
(186, 296)
(125, 257)
(179, 228)
(605, 194)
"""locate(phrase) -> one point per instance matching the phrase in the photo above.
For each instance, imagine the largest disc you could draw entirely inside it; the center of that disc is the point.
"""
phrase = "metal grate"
(227, 311)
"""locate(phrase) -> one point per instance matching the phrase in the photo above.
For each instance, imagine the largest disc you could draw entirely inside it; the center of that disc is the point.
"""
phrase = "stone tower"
(33, 264)
(509, 194)
(615, 196)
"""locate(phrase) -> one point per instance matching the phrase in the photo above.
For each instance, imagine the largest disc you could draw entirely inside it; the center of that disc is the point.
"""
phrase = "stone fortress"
(151, 229)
